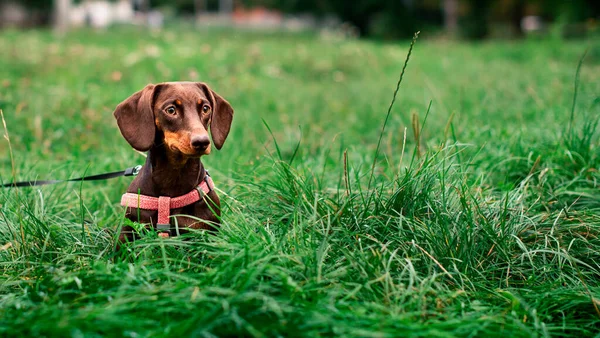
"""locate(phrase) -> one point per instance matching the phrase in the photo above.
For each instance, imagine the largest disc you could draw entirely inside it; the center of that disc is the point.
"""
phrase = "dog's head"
(177, 114)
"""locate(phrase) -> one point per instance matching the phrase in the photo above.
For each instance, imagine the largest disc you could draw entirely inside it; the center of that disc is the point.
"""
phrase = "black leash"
(133, 171)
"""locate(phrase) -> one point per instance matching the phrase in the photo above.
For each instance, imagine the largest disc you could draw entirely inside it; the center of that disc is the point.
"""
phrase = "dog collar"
(164, 204)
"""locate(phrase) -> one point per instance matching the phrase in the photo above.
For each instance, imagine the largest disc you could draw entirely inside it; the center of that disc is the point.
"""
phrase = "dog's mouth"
(181, 144)
(188, 151)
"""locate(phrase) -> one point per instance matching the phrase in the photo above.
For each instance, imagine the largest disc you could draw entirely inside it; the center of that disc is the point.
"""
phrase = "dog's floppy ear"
(222, 116)
(135, 118)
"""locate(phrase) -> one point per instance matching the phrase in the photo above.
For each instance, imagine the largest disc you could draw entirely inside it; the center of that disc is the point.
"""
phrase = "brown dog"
(171, 121)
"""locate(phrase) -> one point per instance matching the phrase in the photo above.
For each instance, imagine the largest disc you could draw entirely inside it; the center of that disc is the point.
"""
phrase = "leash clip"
(136, 170)
(133, 171)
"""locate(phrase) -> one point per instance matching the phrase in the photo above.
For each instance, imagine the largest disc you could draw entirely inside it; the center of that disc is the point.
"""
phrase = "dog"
(171, 121)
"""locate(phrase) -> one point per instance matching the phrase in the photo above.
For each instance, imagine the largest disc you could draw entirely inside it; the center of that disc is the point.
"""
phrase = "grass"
(480, 217)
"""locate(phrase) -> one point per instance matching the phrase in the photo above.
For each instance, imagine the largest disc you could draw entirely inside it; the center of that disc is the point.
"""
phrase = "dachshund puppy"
(171, 122)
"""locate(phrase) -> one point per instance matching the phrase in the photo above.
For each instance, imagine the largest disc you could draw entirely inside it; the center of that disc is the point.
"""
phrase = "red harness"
(164, 204)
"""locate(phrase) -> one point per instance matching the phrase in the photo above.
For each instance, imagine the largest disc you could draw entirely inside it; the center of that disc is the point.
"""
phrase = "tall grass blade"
(389, 111)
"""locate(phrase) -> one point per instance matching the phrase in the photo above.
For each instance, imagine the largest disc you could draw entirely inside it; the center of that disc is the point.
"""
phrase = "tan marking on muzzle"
(178, 141)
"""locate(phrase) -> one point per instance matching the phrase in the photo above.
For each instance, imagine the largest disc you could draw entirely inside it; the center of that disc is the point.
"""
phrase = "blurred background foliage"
(401, 18)
(390, 19)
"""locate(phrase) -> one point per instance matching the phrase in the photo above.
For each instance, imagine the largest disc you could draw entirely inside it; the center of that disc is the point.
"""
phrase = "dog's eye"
(205, 108)
(171, 110)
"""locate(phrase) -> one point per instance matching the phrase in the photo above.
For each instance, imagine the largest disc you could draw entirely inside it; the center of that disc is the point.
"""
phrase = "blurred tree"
(570, 11)
(186, 7)
(39, 4)
(225, 6)
(451, 16)
(516, 15)
(474, 25)
(61, 15)
(382, 18)
(199, 6)
(360, 13)
(141, 5)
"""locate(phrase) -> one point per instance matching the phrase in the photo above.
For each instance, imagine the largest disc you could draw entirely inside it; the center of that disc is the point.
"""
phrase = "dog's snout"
(200, 142)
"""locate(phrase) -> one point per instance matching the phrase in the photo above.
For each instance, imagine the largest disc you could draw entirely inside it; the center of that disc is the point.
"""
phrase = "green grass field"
(481, 216)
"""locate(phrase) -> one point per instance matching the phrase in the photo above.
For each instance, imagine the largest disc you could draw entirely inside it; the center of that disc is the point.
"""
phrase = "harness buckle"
(199, 187)
(164, 230)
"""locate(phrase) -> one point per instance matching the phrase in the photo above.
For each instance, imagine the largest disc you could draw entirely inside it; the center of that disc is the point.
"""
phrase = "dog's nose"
(200, 142)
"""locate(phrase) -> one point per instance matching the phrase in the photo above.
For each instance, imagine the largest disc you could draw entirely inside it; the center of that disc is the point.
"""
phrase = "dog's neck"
(172, 175)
